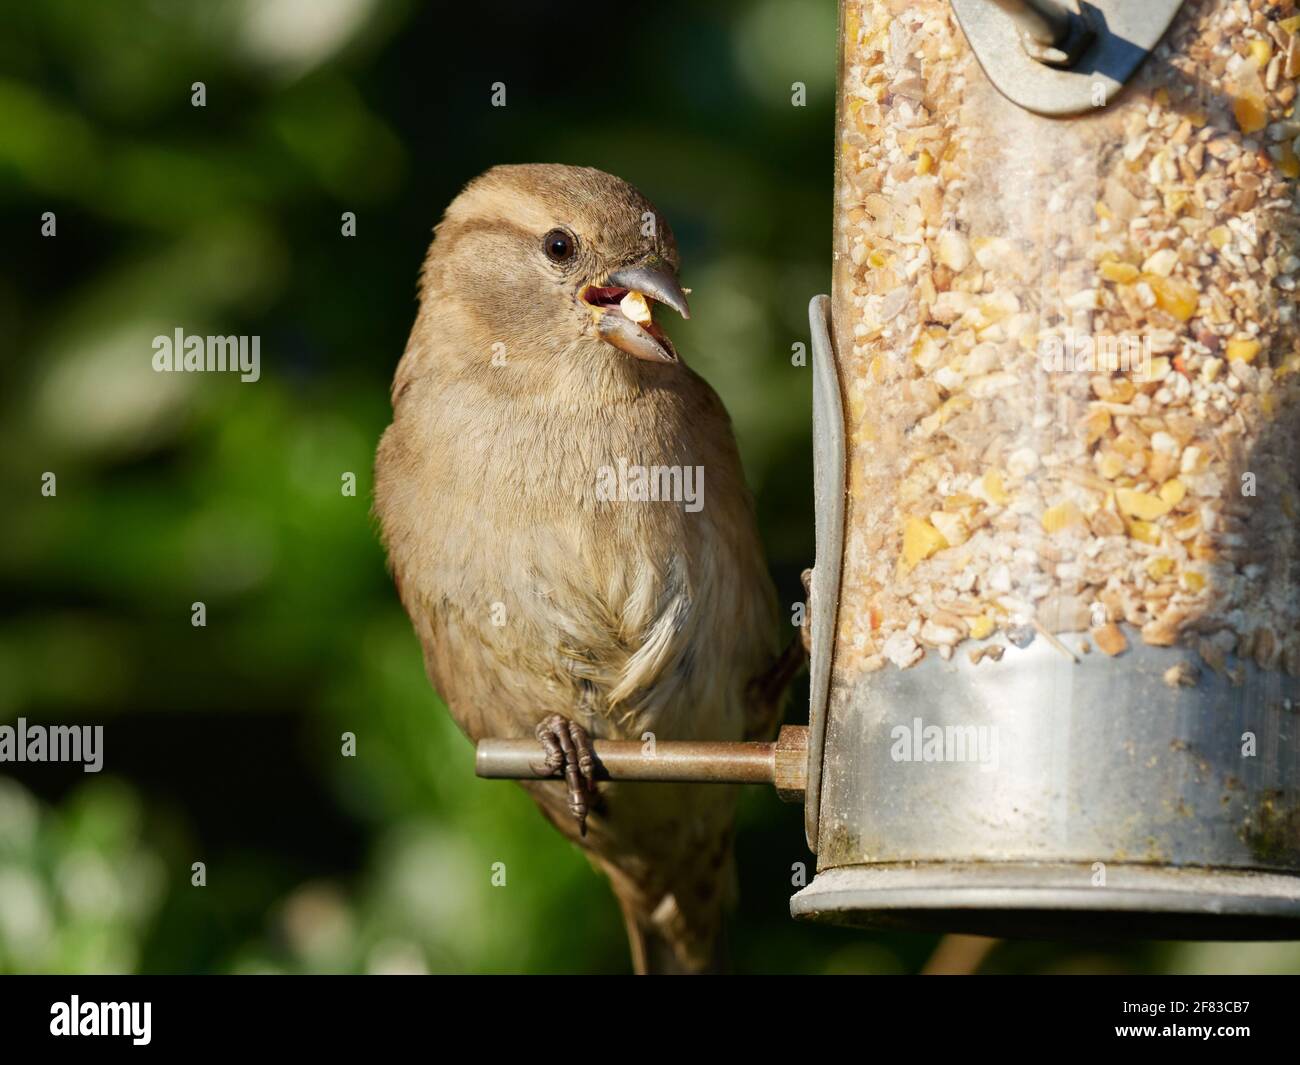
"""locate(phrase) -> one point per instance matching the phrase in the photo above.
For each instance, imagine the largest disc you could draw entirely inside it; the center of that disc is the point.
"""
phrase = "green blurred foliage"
(78, 885)
(223, 742)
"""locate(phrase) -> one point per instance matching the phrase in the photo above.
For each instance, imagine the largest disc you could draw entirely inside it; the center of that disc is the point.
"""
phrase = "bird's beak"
(623, 316)
(654, 278)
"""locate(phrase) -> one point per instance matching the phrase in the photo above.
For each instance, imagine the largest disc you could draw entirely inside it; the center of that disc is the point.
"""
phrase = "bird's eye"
(559, 245)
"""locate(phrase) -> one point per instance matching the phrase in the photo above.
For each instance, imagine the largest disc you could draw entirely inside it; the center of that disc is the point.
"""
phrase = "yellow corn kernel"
(1129, 447)
(1250, 113)
(1144, 531)
(996, 307)
(1187, 525)
(981, 627)
(1162, 96)
(1159, 369)
(920, 541)
(994, 489)
(1243, 348)
(1220, 236)
(1268, 404)
(1160, 568)
(1061, 516)
(1110, 638)
(952, 527)
(1103, 212)
(924, 162)
(1262, 50)
(1112, 465)
(959, 501)
(1174, 295)
(1288, 162)
(1096, 425)
(1192, 581)
(953, 405)
(857, 478)
(1172, 492)
(1121, 273)
(1160, 465)
(1141, 505)
(1291, 24)
(1122, 390)
(926, 352)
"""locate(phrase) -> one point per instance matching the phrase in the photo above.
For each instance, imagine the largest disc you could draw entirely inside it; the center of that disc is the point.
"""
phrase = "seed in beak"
(634, 306)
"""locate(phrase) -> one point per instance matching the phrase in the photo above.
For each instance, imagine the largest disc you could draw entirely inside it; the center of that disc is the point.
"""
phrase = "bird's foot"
(569, 752)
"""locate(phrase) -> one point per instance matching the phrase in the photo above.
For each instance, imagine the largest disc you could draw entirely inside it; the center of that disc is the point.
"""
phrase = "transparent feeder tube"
(1068, 354)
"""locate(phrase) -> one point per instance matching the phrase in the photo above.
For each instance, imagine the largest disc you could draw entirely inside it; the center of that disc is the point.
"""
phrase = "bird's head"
(543, 257)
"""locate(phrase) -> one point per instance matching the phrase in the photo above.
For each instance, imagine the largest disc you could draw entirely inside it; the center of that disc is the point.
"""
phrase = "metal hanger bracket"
(1062, 57)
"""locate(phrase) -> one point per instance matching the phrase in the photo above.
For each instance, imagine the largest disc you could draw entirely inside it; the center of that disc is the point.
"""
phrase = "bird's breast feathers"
(606, 569)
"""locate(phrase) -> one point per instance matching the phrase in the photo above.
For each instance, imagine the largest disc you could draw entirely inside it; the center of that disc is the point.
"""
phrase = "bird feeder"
(1055, 610)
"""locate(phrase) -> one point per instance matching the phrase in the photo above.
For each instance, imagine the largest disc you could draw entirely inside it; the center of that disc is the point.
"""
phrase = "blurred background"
(222, 743)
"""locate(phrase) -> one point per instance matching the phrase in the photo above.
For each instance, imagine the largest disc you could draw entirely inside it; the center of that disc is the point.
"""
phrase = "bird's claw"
(569, 752)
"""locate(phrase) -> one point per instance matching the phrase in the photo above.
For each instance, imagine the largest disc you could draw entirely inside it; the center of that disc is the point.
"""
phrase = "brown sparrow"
(570, 532)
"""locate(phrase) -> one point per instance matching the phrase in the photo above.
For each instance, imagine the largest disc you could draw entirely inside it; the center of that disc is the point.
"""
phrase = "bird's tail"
(661, 945)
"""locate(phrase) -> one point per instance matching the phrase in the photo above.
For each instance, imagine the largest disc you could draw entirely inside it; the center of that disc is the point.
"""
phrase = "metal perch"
(783, 764)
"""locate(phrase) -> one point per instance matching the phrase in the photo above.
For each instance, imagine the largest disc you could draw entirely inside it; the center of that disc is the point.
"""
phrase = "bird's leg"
(569, 750)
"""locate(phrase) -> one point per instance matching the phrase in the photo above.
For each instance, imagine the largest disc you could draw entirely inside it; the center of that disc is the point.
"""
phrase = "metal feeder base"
(1031, 900)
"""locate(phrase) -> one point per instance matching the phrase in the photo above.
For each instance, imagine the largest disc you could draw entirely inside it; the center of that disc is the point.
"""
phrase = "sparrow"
(552, 596)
